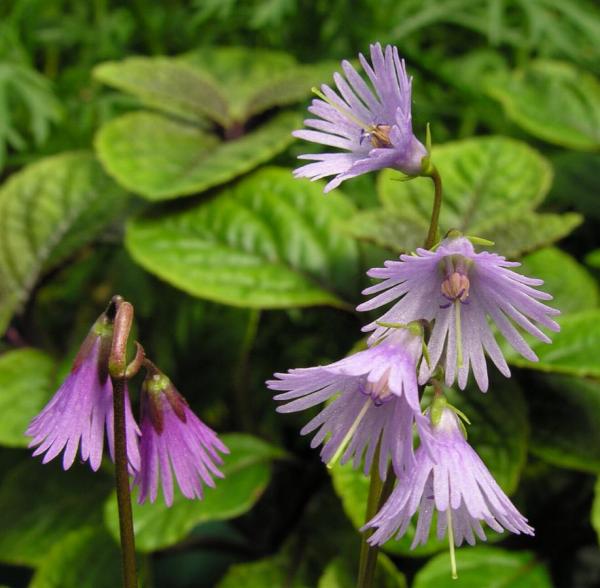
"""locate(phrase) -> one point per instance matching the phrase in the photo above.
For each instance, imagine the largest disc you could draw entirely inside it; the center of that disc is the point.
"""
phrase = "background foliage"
(145, 149)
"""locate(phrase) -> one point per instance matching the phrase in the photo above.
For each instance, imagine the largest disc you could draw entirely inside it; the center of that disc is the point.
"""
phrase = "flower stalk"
(117, 369)
(435, 211)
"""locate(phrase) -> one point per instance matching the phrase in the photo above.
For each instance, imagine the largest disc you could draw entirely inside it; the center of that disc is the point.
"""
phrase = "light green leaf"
(42, 504)
(483, 179)
(89, 558)
(161, 158)
(268, 242)
(168, 85)
(339, 574)
(26, 378)
(573, 287)
(565, 422)
(553, 101)
(596, 509)
(574, 350)
(593, 258)
(247, 472)
(47, 211)
(485, 566)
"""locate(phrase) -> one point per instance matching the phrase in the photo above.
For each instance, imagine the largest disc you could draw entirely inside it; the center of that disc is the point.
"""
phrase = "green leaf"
(593, 258)
(26, 379)
(89, 558)
(247, 472)
(483, 179)
(573, 287)
(596, 509)
(268, 242)
(42, 504)
(553, 101)
(499, 434)
(485, 566)
(339, 574)
(574, 350)
(48, 211)
(565, 422)
(161, 158)
(168, 85)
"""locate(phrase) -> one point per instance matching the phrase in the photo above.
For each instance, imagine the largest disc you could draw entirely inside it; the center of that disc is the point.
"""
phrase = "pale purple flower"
(174, 440)
(373, 124)
(447, 474)
(460, 289)
(82, 409)
(373, 394)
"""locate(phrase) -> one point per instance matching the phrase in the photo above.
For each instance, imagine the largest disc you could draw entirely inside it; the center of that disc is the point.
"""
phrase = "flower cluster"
(171, 439)
(447, 303)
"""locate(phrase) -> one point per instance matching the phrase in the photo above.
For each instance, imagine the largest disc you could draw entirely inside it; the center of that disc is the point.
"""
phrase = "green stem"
(435, 212)
(378, 493)
(122, 482)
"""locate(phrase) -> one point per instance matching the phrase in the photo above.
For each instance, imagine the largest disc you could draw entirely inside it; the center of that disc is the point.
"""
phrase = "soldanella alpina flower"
(82, 409)
(448, 481)
(173, 440)
(373, 395)
(373, 124)
(459, 289)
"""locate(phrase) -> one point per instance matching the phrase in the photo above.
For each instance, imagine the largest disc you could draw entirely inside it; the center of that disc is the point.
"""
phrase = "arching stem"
(435, 211)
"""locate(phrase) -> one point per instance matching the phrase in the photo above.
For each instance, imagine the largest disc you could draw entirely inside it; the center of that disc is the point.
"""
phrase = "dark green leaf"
(565, 427)
(268, 242)
(48, 211)
(247, 472)
(554, 101)
(596, 509)
(89, 558)
(26, 378)
(161, 158)
(339, 574)
(42, 504)
(485, 566)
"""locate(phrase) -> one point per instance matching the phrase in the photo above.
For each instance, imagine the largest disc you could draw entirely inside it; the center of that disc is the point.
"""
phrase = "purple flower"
(82, 408)
(373, 394)
(458, 289)
(174, 440)
(374, 125)
(448, 477)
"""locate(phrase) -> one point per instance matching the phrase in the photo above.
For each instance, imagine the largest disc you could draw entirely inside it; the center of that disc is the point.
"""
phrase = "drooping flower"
(82, 409)
(173, 440)
(448, 478)
(374, 125)
(459, 289)
(373, 394)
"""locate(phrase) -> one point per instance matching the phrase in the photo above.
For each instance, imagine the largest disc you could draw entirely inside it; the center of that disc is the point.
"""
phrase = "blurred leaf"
(485, 566)
(89, 558)
(574, 350)
(247, 472)
(47, 211)
(338, 574)
(268, 242)
(553, 101)
(565, 422)
(596, 509)
(168, 85)
(573, 287)
(42, 504)
(486, 182)
(499, 434)
(161, 158)
(593, 258)
(26, 378)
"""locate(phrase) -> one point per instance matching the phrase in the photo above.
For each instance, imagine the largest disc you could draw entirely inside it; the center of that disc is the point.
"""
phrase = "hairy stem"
(435, 212)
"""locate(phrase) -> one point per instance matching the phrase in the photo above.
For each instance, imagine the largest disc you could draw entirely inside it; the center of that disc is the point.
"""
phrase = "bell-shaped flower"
(371, 395)
(82, 409)
(372, 124)
(175, 440)
(458, 289)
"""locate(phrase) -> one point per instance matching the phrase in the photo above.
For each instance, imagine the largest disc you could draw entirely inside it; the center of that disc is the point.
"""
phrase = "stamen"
(349, 434)
(458, 334)
(451, 544)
